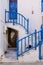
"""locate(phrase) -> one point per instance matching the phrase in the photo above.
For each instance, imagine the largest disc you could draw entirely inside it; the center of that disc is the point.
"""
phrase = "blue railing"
(32, 39)
(40, 49)
(24, 43)
(21, 20)
(41, 43)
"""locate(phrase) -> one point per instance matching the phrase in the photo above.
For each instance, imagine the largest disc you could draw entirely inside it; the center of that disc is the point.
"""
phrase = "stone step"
(30, 57)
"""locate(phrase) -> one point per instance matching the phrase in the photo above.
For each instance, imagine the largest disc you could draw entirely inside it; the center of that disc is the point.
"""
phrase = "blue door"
(13, 9)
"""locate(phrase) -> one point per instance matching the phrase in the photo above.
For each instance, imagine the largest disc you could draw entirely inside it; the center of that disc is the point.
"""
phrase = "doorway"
(12, 36)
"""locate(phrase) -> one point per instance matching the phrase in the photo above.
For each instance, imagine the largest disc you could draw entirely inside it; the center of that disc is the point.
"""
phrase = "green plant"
(7, 31)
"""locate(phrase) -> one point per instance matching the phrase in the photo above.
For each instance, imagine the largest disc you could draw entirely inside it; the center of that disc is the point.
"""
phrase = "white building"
(31, 9)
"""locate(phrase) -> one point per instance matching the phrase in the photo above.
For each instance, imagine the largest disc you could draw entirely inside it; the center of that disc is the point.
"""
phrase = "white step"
(30, 56)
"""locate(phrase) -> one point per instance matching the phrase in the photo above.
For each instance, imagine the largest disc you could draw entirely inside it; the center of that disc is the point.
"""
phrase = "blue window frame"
(13, 9)
(41, 5)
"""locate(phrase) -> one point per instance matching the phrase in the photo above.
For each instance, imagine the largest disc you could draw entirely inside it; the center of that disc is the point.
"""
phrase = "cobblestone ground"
(13, 63)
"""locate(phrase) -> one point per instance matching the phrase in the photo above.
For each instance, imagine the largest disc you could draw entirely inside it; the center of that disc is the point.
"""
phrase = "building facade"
(31, 9)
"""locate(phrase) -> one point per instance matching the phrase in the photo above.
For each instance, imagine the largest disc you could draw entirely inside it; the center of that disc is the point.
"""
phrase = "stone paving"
(31, 56)
(13, 63)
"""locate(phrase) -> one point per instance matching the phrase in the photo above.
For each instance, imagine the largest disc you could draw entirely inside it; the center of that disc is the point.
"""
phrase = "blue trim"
(35, 38)
(5, 16)
(12, 9)
(41, 6)
(33, 46)
(40, 44)
(17, 47)
(21, 46)
(28, 26)
(42, 32)
(13, 21)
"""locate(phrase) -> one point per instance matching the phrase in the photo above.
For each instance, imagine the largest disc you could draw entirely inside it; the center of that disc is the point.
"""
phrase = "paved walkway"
(31, 56)
(10, 63)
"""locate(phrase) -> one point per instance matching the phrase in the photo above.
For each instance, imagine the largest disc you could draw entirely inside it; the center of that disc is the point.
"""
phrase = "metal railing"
(41, 43)
(23, 44)
(32, 39)
(21, 20)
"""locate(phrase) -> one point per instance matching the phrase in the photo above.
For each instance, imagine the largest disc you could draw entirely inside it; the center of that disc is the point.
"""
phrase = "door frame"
(9, 38)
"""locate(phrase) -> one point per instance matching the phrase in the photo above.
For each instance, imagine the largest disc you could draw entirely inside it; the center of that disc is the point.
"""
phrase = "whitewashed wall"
(3, 38)
(26, 7)
(3, 5)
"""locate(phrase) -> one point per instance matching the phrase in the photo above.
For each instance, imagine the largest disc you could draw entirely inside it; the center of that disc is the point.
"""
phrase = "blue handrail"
(32, 38)
(21, 20)
(40, 44)
(40, 52)
(23, 43)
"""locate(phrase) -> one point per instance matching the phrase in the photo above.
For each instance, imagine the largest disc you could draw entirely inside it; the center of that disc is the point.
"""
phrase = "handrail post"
(17, 48)
(35, 38)
(41, 32)
(40, 44)
(5, 15)
(27, 25)
(13, 21)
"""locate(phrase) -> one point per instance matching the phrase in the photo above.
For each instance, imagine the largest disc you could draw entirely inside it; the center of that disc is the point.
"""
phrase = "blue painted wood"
(21, 47)
(27, 25)
(32, 40)
(35, 38)
(41, 32)
(5, 16)
(41, 6)
(40, 44)
(28, 42)
(17, 48)
(13, 9)
(13, 21)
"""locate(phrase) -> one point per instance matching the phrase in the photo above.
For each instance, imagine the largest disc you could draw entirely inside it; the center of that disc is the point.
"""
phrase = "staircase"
(24, 43)
(21, 20)
(26, 47)
(30, 56)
